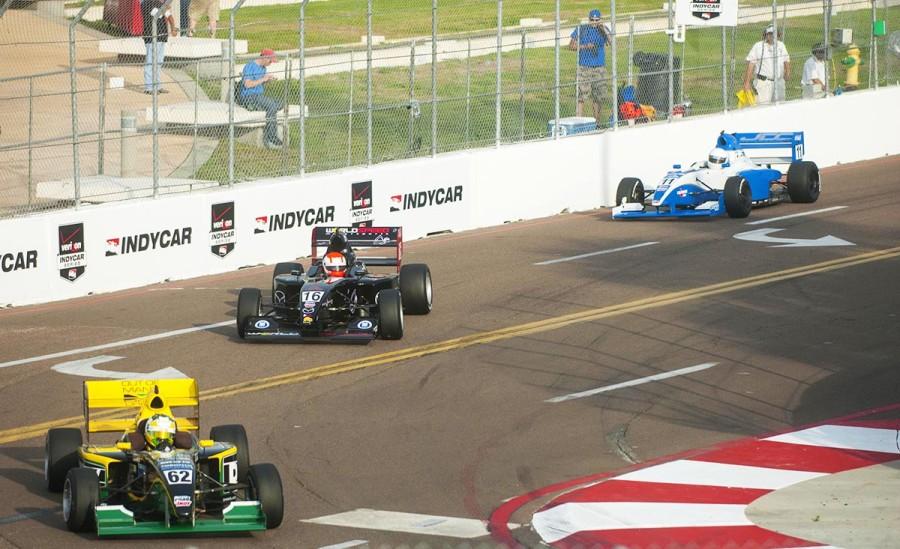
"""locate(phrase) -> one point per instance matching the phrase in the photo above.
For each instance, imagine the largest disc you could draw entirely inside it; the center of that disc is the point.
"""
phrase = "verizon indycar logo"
(71, 260)
(361, 204)
(143, 242)
(424, 199)
(18, 261)
(706, 9)
(293, 220)
(221, 232)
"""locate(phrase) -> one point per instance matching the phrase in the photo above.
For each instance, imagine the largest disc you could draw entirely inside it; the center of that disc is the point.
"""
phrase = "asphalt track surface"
(453, 419)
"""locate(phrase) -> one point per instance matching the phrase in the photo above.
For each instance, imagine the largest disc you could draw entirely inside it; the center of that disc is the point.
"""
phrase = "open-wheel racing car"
(158, 478)
(729, 182)
(338, 299)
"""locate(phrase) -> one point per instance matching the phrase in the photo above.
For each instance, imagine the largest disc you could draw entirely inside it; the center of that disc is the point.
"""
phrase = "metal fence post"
(468, 87)
(774, 97)
(631, 50)
(724, 74)
(499, 75)
(196, 117)
(412, 94)
(434, 105)
(826, 31)
(671, 96)
(287, 111)
(873, 51)
(615, 69)
(76, 161)
(350, 117)
(369, 83)
(522, 88)
(101, 139)
(30, 138)
(556, 72)
(302, 77)
(230, 89)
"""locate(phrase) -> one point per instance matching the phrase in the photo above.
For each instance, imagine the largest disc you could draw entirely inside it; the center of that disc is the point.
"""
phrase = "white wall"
(487, 186)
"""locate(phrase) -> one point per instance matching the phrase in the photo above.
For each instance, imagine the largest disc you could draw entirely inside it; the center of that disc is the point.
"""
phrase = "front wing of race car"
(268, 328)
(633, 210)
(238, 516)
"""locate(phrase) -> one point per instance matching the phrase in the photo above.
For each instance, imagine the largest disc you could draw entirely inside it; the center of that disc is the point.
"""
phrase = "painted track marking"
(801, 214)
(114, 344)
(412, 523)
(395, 357)
(602, 252)
(633, 382)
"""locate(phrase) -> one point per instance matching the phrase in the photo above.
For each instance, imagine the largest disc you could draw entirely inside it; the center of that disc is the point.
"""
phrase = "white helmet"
(717, 158)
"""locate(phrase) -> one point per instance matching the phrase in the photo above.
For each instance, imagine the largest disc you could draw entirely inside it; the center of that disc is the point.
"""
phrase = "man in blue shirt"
(590, 42)
(250, 96)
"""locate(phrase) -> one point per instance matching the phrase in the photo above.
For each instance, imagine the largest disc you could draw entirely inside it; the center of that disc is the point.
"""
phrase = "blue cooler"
(572, 124)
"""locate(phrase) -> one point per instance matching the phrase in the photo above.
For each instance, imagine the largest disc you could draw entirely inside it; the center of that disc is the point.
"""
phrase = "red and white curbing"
(701, 501)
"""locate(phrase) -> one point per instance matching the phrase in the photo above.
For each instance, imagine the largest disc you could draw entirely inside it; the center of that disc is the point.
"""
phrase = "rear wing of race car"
(770, 147)
(112, 406)
(363, 237)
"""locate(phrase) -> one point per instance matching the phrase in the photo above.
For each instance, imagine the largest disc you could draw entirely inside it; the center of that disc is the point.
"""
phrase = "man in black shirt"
(152, 10)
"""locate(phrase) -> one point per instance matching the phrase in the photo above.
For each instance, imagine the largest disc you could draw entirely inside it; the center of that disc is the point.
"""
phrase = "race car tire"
(284, 268)
(237, 435)
(631, 189)
(803, 182)
(390, 311)
(249, 304)
(415, 288)
(60, 455)
(264, 486)
(81, 492)
(737, 197)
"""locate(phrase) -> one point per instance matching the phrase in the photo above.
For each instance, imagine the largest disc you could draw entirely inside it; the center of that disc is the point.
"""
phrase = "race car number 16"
(311, 296)
(179, 476)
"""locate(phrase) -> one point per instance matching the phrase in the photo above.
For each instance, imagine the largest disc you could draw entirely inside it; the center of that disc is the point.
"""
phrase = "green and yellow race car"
(158, 477)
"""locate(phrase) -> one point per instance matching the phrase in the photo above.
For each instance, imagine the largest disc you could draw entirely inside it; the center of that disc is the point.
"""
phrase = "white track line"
(574, 257)
(845, 437)
(413, 523)
(707, 473)
(564, 520)
(114, 344)
(633, 382)
(348, 544)
(770, 220)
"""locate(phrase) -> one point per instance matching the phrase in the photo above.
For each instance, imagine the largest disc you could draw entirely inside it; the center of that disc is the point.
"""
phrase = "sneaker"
(272, 145)
(277, 142)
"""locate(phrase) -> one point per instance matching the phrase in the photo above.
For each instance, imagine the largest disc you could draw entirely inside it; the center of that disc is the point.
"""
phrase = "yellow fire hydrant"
(852, 62)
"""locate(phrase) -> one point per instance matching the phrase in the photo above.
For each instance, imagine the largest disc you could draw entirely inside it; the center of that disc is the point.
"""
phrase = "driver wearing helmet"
(335, 265)
(718, 159)
(159, 432)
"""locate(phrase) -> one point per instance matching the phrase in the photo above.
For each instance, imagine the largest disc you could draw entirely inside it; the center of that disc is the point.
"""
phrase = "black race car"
(356, 306)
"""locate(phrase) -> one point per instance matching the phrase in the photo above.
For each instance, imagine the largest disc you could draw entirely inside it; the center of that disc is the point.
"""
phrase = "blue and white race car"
(729, 182)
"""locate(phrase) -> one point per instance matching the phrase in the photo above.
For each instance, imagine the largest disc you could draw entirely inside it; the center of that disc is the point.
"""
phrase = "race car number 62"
(179, 476)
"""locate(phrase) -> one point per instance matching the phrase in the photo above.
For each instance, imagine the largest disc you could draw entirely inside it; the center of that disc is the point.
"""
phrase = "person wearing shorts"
(198, 9)
(590, 42)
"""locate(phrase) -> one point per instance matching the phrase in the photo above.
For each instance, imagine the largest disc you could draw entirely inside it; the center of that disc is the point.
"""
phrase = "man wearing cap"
(813, 79)
(250, 95)
(768, 65)
(590, 42)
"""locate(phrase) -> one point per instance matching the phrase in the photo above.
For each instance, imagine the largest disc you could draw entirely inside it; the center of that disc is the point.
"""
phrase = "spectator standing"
(199, 8)
(184, 15)
(165, 24)
(590, 42)
(813, 79)
(768, 65)
(251, 97)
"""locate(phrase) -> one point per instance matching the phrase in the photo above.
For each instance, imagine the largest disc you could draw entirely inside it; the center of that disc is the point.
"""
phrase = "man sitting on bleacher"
(251, 97)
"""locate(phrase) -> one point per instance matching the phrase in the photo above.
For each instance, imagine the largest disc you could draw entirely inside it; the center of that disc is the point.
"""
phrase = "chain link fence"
(371, 81)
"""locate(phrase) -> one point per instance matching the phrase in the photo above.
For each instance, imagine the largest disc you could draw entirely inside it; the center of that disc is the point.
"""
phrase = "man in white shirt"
(813, 79)
(768, 65)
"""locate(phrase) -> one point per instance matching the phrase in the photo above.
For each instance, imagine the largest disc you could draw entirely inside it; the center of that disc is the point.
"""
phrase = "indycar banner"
(706, 13)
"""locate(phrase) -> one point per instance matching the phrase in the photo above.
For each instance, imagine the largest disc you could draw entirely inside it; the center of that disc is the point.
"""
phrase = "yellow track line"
(394, 357)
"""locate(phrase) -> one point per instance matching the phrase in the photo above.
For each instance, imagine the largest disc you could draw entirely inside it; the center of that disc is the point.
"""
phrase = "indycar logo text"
(71, 260)
(706, 9)
(18, 261)
(294, 220)
(361, 211)
(148, 241)
(423, 199)
(221, 233)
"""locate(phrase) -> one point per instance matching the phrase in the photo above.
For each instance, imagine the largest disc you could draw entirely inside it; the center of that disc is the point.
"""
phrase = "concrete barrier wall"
(102, 248)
